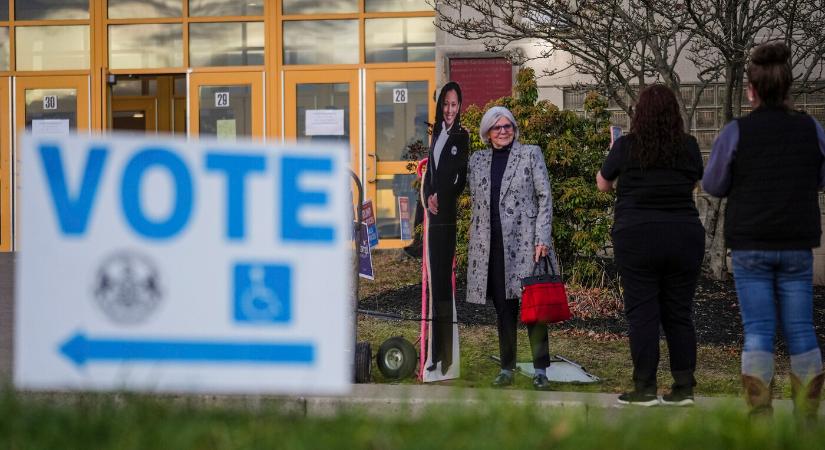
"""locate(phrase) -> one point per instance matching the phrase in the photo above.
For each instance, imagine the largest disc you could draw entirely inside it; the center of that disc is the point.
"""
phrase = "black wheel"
(396, 358)
(363, 362)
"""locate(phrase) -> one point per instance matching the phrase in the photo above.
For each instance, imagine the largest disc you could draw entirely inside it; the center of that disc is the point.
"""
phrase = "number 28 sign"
(399, 95)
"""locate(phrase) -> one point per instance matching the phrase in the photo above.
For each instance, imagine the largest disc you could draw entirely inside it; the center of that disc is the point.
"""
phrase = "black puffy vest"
(773, 202)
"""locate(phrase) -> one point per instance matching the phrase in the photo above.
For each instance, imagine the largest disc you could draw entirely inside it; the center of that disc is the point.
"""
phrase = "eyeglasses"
(500, 128)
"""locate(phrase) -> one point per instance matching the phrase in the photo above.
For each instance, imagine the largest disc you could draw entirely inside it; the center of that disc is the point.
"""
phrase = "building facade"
(359, 72)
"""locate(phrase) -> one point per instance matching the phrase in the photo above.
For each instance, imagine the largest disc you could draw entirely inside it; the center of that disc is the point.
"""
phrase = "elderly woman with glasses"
(512, 212)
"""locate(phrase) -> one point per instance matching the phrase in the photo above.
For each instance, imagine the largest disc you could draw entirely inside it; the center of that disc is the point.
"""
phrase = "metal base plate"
(561, 370)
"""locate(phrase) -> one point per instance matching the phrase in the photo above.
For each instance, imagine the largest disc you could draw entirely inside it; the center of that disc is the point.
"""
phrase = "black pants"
(659, 264)
(507, 311)
(441, 243)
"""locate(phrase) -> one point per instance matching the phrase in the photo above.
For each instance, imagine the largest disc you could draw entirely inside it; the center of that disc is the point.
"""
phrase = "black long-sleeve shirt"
(499, 164)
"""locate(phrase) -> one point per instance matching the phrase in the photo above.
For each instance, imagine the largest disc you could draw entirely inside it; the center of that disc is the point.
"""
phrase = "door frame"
(80, 83)
(373, 168)
(292, 78)
(6, 173)
(255, 79)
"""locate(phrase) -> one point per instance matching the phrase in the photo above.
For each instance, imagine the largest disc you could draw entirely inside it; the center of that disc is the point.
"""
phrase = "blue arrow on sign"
(81, 350)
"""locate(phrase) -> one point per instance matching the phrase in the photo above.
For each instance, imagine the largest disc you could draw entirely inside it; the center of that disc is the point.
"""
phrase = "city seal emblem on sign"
(127, 287)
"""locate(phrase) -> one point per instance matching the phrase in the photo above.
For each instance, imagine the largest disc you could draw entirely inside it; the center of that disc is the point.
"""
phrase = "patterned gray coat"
(526, 209)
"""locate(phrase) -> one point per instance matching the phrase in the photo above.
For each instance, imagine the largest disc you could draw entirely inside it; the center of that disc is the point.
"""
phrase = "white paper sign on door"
(226, 129)
(50, 127)
(324, 122)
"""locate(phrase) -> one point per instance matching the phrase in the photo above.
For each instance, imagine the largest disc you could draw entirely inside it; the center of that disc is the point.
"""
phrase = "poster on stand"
(365, 268)
(404, 218)
(368, 214)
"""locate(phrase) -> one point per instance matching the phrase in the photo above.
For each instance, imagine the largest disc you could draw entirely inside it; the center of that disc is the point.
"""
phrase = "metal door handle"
(374, 177)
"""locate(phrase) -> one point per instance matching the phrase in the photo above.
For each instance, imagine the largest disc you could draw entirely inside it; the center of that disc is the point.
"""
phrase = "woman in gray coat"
(508, 235)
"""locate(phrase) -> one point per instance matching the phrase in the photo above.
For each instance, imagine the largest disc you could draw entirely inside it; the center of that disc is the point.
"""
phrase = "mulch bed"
(716, 313)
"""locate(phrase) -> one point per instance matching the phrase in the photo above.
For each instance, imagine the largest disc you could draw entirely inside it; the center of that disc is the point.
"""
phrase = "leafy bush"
(574, 148)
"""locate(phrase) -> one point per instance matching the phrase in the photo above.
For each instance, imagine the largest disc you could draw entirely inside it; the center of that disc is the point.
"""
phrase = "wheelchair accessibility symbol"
(262, 293)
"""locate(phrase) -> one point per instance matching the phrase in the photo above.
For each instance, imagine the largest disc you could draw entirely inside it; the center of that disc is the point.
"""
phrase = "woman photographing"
(658, 242)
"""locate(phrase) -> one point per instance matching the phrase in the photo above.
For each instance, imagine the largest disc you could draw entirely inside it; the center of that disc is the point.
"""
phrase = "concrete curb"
(388, 399)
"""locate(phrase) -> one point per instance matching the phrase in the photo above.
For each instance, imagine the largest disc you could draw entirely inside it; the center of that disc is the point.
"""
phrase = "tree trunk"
(716, 261)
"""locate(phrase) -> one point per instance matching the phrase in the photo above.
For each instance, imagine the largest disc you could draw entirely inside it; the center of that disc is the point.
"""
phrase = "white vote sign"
(163, 265)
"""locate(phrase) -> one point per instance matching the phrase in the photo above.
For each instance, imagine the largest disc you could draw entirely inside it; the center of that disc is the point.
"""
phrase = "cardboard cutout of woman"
(443, 182)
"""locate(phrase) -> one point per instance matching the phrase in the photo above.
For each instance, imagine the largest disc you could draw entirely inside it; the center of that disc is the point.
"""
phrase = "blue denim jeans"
(765, 279)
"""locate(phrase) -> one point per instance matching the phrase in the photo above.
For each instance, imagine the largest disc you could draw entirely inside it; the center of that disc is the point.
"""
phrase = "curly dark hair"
(657, 128)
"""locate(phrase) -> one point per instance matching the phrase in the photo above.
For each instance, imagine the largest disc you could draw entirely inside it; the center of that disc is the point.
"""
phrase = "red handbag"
(543, 297)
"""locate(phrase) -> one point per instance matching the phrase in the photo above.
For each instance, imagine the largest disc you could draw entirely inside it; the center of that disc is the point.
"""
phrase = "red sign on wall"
(482, 79)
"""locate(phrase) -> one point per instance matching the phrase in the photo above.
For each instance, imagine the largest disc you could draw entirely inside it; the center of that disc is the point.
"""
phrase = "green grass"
(133, 422)
(128, 421)
(717, 367)
(717, 372)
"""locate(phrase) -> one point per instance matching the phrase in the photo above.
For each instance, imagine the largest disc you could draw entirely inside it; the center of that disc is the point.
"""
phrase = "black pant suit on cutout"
(446, 178)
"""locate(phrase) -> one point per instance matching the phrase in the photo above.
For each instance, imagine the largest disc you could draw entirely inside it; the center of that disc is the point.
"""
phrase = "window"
(226, 44)
(5, 64)
(310, 42)
(141, 9)
(52, 47)
(145, 46)
(50, 9)
(400, 40)
(215, 8)
(319, 6)
(396, 5)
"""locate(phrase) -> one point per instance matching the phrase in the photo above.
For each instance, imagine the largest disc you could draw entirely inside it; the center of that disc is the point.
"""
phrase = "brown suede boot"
(758, 396)
(806, 397)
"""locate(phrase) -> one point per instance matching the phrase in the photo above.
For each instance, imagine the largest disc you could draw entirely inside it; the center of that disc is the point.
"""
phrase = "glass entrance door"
(227, 105)
(322, 106)
(134, 114)
(399, 104)
(150, 103)
(52, 105)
